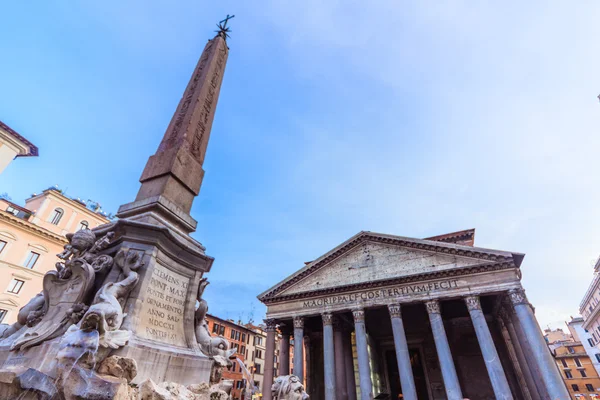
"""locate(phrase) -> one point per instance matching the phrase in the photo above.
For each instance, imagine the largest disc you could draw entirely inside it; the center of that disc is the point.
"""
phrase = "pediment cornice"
(491, 260)
(451, 273)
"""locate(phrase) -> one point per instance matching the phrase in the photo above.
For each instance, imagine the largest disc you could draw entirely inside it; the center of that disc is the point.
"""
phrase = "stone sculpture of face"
(288, 387)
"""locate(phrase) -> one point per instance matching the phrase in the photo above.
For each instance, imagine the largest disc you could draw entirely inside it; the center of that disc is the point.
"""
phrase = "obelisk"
(161, 309)
(173, 175)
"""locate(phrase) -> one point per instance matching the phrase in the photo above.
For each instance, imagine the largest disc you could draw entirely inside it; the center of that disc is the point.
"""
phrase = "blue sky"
(406, 118)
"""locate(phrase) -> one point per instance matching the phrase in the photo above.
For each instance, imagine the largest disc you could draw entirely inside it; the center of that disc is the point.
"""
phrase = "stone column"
(269, 359)
(407, 380)
(518, 358)
(364, 369)
(299, 348)
(443, 351)
(284, 351)
(516, 331)
(488, 350)
(541, 354)
(340, 366)
(349, 366)
(328, 356)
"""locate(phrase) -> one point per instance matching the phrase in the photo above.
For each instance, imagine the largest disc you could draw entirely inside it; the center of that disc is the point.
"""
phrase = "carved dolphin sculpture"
(216, 348)
(106, 313)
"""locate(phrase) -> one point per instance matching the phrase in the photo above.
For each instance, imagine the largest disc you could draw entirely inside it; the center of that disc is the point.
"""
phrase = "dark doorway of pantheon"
(394, 376)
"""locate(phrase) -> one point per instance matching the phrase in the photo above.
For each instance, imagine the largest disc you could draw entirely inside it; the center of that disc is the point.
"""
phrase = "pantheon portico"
(389, 317)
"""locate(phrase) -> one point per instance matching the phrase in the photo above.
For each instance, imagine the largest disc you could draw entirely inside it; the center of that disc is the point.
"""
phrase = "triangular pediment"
(370, 257)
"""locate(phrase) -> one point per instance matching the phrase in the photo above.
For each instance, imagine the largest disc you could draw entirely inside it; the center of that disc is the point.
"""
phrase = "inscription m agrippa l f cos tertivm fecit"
(385, 293)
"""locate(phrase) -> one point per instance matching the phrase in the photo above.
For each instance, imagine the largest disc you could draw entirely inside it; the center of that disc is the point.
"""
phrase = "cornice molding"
(31, 227)
(416, 244)
(394, 281)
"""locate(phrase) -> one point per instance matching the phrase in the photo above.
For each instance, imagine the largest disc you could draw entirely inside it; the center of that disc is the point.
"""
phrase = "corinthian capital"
(271, 325)
(395, 311)
(473, 303)
(298, 322)
(517, 296)
(433, 307)
(327, 318)
(359, 315)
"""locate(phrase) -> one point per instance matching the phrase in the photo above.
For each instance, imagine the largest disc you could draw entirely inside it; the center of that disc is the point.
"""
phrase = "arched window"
(56, 216)
(83, 225)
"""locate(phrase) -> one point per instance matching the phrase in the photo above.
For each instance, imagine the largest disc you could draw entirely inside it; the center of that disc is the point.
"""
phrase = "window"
(589, 387)
(564, 363)
(215, 328)
(591, 342)
(568, 374)
(571, 350)
(577, 362)
(233, 367)
(31, 259)
(243, 350)
(258, 353)
(56, 216)
(258, 340)
(575, 388)
(232, 334)
(15, 286)
(257, 368)
(83, 225)
(597, 357)
(2, 245)
(243, 334)
(12, 210)
(583, 374)
(2, 314)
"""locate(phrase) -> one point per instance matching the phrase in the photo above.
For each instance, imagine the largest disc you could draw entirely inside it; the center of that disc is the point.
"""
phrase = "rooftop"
(31, 149)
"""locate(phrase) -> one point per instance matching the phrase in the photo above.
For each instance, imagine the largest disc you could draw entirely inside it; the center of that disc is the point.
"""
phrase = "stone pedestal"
(160, 310)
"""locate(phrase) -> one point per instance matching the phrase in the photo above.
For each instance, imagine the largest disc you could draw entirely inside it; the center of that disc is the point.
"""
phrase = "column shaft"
(488, 350)
(407, 380)
(349, 366)
(269, 360)
(541, 354)
(364, 369)
(340, 366)
(329, 357)
(284, 354)
(299, 348)
(526, 380)
(443, 351)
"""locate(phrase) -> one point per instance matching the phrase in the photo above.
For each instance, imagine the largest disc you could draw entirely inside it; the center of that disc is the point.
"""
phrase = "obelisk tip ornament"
(173, 175)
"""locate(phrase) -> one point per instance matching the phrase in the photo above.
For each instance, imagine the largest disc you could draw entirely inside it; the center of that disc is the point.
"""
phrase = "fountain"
(117, 319)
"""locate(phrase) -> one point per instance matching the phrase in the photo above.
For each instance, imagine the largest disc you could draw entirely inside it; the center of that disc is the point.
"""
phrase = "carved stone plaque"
(163, 309)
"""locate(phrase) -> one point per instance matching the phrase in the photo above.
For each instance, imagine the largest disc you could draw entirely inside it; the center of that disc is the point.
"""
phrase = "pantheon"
(390, 317)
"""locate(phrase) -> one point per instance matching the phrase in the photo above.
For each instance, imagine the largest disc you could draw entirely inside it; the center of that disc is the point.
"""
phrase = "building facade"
(30, 238)
(590, 311)
(587, 341)
(384, 316)
(256, 363)
(239, 338)
(577, 370)
(13, 145)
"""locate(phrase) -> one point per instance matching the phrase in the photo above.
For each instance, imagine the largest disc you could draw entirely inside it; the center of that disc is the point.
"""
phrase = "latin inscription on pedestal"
(163, 309)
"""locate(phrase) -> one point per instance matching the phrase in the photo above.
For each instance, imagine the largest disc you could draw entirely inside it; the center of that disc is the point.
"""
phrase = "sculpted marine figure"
(216, 348)
(106, 312)
(288, 387)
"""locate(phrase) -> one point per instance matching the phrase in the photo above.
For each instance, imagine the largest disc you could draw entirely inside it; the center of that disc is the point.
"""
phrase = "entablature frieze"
(415, 292)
